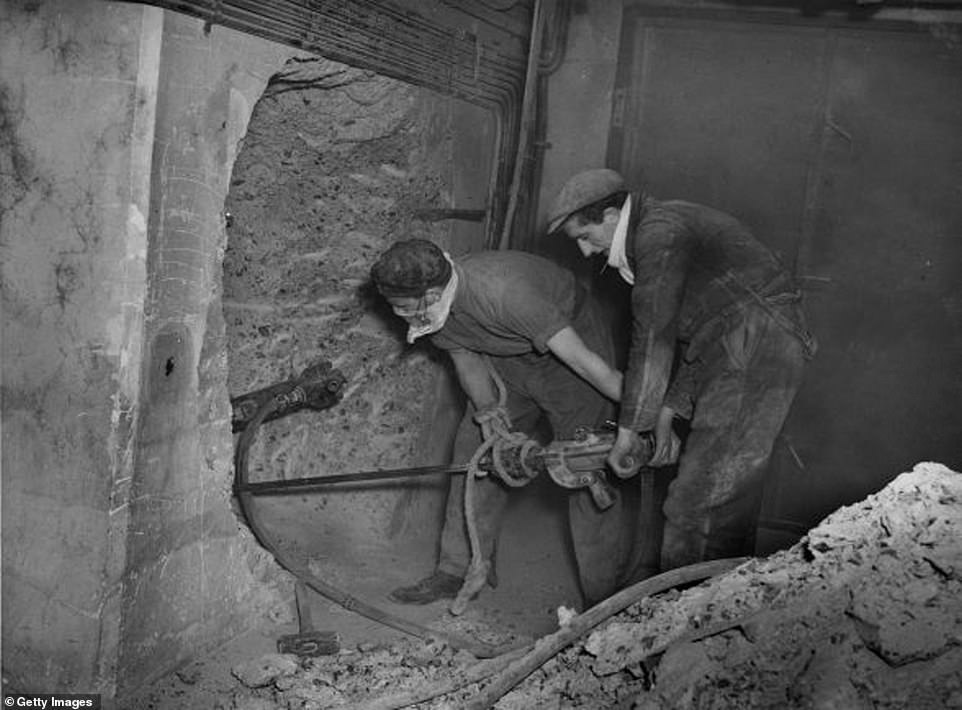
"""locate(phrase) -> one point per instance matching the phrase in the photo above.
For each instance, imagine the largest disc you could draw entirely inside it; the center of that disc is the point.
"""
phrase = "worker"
(527, 318)
(718, 339)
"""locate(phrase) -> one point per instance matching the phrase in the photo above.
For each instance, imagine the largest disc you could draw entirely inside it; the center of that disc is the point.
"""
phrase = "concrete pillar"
(78, 85)
(579, 97)
(122, 555)
(195, 576)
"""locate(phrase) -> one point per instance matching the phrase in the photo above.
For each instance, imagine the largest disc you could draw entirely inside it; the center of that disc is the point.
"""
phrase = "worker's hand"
(624, 457)
(667, 443)
(493, 420)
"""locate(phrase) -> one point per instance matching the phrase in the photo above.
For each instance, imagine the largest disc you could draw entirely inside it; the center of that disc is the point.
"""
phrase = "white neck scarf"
(616, 252)
(437, 313)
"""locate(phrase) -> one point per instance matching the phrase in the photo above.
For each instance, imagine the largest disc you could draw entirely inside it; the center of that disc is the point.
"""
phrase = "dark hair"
(595, 212)
(409, 268)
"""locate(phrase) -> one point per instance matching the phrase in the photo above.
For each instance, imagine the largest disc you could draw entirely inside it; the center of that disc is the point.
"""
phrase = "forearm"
(645, 385)
(601, 376)
(475, 379)
(568, 346)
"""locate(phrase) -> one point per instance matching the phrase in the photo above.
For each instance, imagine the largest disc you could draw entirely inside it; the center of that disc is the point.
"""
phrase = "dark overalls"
(705, 285)
(508, 305)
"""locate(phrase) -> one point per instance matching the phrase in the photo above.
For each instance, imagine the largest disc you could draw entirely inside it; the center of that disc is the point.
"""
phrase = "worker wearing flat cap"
(717, 338)
(526, 317)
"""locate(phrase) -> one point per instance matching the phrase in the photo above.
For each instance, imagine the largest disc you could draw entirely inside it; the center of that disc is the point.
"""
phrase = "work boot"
(439, 585)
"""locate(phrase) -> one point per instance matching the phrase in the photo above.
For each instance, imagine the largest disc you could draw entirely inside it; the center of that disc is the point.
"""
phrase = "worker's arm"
(667, 444)
(680, 397)
(475, 379)
(568, 346)
(663, 260)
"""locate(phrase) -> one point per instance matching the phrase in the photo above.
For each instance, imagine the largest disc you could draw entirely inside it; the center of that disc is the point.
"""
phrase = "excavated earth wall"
(864, 612)
(334, 167)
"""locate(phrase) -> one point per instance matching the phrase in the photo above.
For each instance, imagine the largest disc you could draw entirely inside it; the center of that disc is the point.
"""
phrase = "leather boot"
(439, 585)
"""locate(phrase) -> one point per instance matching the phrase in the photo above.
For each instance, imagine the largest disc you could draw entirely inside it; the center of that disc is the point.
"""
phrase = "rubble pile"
(864, 612)
(370, 676)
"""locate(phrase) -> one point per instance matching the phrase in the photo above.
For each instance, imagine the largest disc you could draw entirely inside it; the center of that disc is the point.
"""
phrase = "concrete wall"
(580, 96)
(121, 552)
(194, 575)
(78, 83)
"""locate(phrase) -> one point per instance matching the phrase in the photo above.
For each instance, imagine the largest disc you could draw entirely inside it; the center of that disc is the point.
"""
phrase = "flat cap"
(583, 189)
(409, 268)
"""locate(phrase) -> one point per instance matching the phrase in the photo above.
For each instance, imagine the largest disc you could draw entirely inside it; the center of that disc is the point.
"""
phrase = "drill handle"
(639, 456)
(601, 492)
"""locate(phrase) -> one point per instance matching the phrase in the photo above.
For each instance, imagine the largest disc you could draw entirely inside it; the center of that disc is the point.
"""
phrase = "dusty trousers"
(541, 388)
(746, 382)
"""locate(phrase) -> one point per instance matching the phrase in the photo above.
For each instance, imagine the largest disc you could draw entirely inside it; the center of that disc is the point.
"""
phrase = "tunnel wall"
(122, 555)
(194, 575)
(337, 164)
(78, 85)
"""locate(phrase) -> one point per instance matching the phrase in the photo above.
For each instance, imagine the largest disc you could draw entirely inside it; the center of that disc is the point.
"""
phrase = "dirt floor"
(864, 612)
(536, 577)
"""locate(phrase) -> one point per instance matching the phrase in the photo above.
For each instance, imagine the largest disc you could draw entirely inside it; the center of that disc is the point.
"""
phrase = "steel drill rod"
(293, 485)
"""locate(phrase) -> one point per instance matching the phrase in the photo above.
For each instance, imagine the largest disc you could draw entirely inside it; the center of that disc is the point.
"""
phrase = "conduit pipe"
(529, 110)
(380, 36)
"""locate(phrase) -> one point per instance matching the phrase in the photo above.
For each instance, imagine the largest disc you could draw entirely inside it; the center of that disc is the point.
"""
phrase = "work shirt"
(509, 303)
(694, 267)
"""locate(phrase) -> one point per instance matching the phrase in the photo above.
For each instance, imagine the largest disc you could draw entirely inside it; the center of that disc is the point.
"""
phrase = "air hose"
(503, 673)
(297, 564)
(495, 424)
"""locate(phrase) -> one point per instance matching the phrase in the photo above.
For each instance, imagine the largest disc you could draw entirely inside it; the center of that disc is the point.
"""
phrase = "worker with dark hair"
(528, 319)
(715, 304)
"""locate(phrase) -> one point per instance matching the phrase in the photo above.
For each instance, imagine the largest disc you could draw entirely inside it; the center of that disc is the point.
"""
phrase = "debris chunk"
(264, 670)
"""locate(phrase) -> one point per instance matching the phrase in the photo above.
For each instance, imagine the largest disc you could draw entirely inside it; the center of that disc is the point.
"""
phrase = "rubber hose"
(549, 646)
(514, 666)
(298, 565)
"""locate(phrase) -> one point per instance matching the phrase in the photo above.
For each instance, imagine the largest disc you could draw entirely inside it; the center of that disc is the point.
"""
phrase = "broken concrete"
(874, 589)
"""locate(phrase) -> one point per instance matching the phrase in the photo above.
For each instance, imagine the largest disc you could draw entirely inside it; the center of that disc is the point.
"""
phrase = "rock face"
(334, 167)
